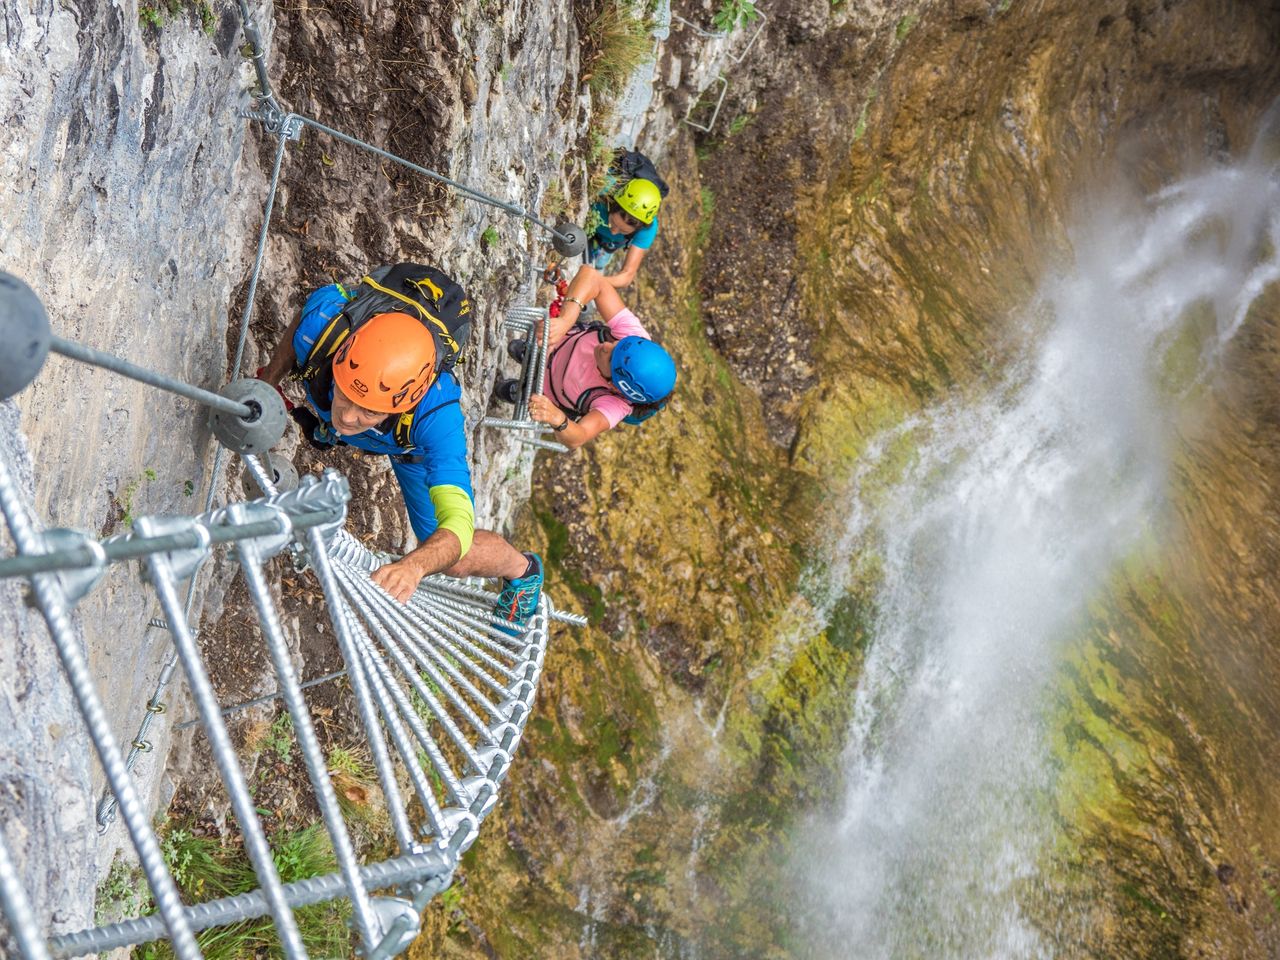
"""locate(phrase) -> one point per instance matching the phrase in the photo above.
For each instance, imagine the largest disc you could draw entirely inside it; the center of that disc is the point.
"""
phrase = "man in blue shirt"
(383, 393)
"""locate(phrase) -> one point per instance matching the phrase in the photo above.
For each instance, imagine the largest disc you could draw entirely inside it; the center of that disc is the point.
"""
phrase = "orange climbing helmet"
(387, 364)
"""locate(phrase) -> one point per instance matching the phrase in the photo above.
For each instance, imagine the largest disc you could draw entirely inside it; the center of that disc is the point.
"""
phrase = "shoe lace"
(516, 600)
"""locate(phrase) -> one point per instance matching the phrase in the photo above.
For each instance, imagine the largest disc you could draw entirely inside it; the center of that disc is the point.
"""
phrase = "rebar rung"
(421, 867)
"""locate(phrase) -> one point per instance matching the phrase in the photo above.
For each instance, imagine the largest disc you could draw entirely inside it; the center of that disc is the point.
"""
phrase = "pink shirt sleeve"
(624, 323)
(613, 407)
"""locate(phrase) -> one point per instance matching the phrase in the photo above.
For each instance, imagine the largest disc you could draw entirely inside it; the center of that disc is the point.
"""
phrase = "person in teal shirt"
(626, 220)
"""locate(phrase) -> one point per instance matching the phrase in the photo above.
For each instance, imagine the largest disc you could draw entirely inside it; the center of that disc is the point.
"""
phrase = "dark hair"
(628, 217)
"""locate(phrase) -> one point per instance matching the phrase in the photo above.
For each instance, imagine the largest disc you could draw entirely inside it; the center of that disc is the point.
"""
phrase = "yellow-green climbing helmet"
(640, 198)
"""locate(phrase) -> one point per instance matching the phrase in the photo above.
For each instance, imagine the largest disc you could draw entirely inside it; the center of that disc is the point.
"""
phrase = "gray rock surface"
(129, 202)
(120, 204)
(44, 753)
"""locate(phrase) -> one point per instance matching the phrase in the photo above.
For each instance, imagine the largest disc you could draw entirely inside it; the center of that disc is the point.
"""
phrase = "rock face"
(131, 200)
(898, 178)
(884, 179)
(44, 760)
(122, 209)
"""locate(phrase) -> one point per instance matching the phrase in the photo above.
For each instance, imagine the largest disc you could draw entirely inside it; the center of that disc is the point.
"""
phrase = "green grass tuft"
(708, 205)
(599, 158)
(619, 35)
(206, 869)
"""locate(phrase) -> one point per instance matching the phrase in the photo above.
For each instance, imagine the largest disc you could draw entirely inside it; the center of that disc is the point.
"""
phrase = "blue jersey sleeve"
(439, 436)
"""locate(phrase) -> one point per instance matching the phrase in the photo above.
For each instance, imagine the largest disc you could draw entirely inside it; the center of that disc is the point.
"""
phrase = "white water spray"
(1013, 514)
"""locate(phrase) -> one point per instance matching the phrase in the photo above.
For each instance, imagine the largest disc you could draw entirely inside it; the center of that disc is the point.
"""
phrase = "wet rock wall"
(881, 190)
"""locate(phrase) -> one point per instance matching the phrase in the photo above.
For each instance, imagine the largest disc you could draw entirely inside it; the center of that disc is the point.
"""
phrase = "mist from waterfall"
(1012, 514)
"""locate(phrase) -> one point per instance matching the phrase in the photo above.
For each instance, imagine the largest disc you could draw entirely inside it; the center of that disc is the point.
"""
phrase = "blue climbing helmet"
(642, 371)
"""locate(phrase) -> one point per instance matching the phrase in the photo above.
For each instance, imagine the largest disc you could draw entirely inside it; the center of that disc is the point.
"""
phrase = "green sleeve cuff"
(455, 513)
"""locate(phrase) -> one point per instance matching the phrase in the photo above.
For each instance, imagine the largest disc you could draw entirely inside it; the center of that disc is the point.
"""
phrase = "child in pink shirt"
(598, 373)
(574, 382)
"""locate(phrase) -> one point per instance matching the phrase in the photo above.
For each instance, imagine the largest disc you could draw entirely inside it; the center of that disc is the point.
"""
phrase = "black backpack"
(578, 407)
(629, 164)
(421, 291)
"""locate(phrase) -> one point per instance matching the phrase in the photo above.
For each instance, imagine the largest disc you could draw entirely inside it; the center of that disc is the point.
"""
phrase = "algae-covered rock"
(827, 267)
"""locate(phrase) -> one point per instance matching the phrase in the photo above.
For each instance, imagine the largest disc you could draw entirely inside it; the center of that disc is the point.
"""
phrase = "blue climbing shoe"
(519, 599)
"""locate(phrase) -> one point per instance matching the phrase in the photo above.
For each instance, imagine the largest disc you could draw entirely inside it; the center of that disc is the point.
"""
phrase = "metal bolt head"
(572, 240)
(24, 330)
(253, 434)
(282, 471)
(79, 581)
(388, 910)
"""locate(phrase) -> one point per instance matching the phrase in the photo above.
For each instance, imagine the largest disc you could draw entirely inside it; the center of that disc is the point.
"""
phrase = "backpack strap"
(582, 406)
(331, 338)
(403, 427)
(439, 329)
(402, 431)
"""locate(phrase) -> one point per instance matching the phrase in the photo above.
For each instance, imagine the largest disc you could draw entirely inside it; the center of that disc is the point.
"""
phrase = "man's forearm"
(282, 357)
(438, 552)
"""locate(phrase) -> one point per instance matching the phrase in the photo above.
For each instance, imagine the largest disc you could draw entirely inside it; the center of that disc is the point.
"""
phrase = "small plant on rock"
(555, 202)
(733, 14)
(280, 739)
(207, 20)
(122, 893)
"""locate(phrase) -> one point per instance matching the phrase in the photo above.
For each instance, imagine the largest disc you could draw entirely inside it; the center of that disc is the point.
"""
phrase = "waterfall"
(1018, 501)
